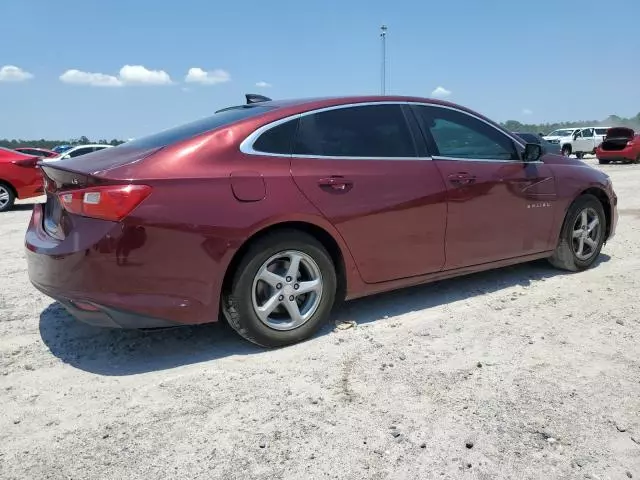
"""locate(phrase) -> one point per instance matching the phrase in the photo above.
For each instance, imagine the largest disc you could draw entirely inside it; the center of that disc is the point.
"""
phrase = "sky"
(126, 68)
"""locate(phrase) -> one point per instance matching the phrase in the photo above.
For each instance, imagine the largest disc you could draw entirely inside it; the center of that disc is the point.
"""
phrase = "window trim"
(246, 146)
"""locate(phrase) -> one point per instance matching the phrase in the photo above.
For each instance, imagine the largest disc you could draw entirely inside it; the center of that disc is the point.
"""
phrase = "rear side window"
(370, 131)
(455, 134)
(188, 130)
(601, 131)
(278, 140)
(80, 151)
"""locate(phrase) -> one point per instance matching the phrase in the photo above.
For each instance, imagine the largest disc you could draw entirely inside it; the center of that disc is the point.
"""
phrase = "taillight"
(110, 202)
(630, 143)
(27, 162)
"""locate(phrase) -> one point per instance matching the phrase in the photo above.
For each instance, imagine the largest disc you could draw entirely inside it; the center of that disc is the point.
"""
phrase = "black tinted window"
(183, 132)
(459, 135)
(366, 131)
(80, 151)
(278, 139)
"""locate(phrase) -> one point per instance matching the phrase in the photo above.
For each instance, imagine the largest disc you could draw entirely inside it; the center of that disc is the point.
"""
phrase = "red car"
(37, 152)
(19, 177)
(621, 144)
(272, 211)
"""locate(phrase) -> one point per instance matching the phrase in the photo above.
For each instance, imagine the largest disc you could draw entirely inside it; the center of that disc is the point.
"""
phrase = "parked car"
(37, 152)
(61, 148)
(77, 151)
(578, 141)
(620, 145)
(19, 177)
(273, 211)
(533, 138)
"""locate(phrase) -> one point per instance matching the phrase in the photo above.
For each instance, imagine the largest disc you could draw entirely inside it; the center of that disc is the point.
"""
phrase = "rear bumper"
(102, 316)
(134, 276)
(625, 155)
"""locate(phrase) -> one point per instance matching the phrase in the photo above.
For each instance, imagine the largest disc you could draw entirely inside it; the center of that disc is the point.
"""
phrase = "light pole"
(383, 80)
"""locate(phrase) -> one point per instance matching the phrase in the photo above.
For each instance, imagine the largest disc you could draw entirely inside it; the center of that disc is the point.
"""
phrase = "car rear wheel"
(582, 235)
(579, 155)
(7, 197)
(602, 161)
(282, 291)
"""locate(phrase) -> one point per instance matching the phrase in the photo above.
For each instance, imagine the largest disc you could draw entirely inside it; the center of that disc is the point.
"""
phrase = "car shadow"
(22, 207)
(113, 352)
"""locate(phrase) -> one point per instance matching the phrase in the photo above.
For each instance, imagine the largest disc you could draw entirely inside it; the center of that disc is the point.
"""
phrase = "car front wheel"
(282, 291)
(7, 197)
(582, 235)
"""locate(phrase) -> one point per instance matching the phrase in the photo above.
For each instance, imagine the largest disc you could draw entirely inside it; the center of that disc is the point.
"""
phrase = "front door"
(359, 165)
(498, 206)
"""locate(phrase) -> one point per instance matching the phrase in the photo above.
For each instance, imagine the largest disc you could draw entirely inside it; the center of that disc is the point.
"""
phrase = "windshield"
(221, 118)
(562, 132)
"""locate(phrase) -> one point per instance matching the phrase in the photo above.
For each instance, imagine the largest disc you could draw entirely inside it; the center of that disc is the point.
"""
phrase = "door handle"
(335, 183)
(461, 178)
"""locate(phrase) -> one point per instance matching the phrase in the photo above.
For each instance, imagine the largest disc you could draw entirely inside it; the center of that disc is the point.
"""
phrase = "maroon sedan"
(272, 211)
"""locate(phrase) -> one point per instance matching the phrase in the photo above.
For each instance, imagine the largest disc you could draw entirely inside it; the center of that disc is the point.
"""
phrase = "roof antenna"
(255, 98)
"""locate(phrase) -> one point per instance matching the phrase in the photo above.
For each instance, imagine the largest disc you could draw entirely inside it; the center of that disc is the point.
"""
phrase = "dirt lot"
(523, 372)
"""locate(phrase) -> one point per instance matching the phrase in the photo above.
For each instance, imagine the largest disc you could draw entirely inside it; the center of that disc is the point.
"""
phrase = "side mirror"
(575, 136)
(532, 152)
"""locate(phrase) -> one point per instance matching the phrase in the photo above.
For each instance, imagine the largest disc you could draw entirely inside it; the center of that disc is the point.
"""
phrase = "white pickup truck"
(578, 141)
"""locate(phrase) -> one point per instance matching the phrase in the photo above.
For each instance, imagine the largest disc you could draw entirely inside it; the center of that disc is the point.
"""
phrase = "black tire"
(238, 300)
(5, 189)
(602, 161)
(565, 256)
(566, 150)
(579, 155)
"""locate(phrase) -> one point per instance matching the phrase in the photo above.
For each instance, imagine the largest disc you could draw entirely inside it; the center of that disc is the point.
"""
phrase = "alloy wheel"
(287, 290)
(5, 196)
(586, 234)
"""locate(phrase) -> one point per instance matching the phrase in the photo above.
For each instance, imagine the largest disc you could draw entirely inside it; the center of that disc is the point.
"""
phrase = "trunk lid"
(108, 166)
(114, 163)
(617, 138)
(620, 132)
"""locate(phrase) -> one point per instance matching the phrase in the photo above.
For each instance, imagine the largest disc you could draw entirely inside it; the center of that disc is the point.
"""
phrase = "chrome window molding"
(246, 146)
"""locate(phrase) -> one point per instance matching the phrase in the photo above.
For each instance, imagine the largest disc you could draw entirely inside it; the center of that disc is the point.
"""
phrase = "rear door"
(498, 206)
(362, 169)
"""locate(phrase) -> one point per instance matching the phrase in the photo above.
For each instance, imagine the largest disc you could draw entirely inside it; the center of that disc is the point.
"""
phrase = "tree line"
(610, 121)
(511, 125)
(49, 144)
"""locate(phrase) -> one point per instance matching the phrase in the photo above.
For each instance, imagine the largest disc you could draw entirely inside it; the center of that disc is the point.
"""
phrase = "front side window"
(370, 131)
(456, 134)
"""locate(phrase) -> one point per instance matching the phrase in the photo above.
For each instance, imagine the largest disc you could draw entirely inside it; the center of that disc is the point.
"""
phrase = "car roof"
(92, 145)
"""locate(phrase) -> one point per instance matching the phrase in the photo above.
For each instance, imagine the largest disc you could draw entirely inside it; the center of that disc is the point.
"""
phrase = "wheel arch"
(340, 257)
(601, 195)
(10, 185)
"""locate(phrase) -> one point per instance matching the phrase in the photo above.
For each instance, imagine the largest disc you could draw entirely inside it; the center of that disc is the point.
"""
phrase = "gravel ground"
(523, 372)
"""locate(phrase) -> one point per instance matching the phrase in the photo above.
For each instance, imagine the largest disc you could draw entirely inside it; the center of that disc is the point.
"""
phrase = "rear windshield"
(188, 130)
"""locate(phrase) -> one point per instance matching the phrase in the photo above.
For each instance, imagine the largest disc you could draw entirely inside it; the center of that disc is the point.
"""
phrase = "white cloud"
(526, 111)
(139, 75)
(77, 77)
(128, 75)
(11, 73)
(198, 75)
(263, 85)
(440, 92)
